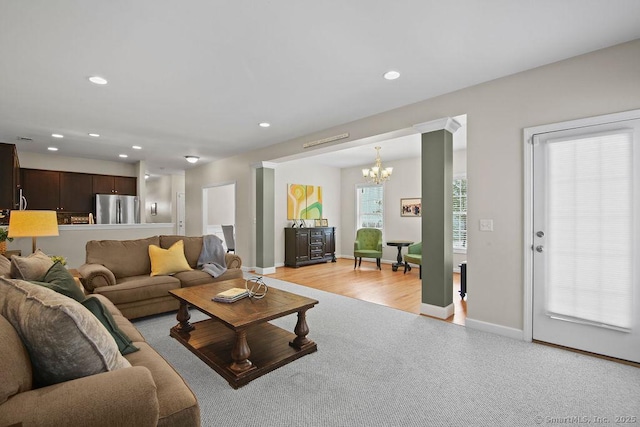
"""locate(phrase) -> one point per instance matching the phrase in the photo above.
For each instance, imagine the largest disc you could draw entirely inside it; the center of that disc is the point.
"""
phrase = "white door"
(586, 293)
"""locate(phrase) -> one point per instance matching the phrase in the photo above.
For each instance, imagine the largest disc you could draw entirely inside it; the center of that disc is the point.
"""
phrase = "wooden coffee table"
(239, 330)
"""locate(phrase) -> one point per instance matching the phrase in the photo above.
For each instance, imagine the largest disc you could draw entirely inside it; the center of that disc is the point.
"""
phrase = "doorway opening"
(219, 209)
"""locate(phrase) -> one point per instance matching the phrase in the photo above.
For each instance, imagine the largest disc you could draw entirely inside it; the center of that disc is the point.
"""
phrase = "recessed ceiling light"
(136, 147)
(124, 156)
(265, 125)
(391, 75)
(57, 135)
(95, 135)
(192, 159)
(52, 148)
(146, 176)
(98, 80)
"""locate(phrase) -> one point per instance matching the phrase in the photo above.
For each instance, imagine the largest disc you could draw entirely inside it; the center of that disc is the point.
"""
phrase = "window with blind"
(460, 214)
(590, 223)
(370, 206)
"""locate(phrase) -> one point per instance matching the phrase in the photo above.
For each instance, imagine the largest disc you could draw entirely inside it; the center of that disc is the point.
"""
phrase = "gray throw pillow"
(64, 340)
(5, 267)
(32, 267)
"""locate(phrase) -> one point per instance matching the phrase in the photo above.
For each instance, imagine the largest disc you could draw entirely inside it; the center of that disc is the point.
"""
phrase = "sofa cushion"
(199, 277)
(192, 247)
(177, 403)
(32, 267)
(64, 340)
(125, 258)
(14, 363)
(125, 346)
(5, 267)
(139, 288)
(165, 262)
(60, 280)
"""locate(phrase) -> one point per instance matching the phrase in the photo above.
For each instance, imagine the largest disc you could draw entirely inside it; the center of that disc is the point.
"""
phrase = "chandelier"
(377, 174)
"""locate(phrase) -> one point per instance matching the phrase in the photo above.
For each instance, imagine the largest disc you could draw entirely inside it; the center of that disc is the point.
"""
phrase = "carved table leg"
(240, 354)
(183, 317)
(301, 330)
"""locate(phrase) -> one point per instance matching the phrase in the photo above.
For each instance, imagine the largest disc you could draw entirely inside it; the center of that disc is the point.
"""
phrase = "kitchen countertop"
(77, 227)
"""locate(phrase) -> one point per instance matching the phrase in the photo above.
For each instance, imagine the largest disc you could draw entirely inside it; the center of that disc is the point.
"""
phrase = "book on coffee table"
(231, 295)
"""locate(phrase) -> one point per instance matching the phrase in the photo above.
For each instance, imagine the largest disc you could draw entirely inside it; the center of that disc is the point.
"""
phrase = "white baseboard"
(265, 270)
(437, 311)
(505, 331)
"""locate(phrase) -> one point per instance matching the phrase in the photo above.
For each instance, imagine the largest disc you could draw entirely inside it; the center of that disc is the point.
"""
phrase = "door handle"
(539, 248)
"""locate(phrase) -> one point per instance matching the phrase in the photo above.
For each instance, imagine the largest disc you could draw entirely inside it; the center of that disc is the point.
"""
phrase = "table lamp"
(33, 224)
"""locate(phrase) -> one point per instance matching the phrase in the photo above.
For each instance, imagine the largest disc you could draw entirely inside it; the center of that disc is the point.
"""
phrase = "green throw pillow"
(124, 342)
(60, 280)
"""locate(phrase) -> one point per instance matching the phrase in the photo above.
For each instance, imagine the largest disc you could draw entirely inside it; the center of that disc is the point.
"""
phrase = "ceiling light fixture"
(124, 156)
(391, 75)
(52, 148)
(377, 174)
(57, 135)
(192, 159)
(136, 147)
(264, 125)
(98, 80)
(95, 135)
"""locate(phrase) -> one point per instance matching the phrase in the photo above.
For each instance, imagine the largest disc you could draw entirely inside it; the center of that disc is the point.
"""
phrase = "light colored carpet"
(377, 366)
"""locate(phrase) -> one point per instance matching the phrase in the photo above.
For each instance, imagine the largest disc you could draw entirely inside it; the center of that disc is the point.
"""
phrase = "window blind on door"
(590, 229)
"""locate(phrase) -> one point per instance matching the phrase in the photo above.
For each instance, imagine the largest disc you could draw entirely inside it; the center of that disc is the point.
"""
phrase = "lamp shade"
(33, 224)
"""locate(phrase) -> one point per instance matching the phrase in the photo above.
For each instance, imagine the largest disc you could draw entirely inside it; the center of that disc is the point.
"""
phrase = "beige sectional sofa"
(120, 270)
(137, 389)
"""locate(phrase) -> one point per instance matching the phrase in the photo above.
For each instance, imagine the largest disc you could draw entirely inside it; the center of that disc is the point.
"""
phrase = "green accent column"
(437, 244)
(265, 217)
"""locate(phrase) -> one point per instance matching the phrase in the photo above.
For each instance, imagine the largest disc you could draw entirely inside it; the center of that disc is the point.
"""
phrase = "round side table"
(399, 244)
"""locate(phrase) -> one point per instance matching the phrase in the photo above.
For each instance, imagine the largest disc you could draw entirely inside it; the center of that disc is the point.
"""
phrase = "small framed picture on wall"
(411, 207)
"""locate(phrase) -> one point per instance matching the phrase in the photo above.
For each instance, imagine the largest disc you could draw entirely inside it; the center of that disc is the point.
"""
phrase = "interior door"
(585, 264)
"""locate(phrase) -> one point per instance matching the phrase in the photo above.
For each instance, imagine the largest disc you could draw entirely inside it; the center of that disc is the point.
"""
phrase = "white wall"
(75, 164)
(305, 172)
(597, 83)
(221, 205)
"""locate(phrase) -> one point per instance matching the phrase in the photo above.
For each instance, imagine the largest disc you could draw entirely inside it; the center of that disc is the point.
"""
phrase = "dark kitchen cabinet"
(9, 176)
(304, 246)
(41, 188)
(107, 184)
(59, 191)
(70, 191)
(76, 192)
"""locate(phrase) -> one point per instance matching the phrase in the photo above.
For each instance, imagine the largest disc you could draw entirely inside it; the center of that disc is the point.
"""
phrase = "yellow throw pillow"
(165, 262)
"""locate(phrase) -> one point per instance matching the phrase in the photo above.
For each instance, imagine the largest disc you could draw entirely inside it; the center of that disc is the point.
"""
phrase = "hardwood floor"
(387, 287)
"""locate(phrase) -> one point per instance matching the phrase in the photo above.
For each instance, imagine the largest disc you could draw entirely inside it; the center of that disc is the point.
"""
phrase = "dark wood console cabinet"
(313, 245)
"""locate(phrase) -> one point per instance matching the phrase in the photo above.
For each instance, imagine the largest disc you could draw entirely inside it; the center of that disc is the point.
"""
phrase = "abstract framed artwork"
(411, 207)
(304, 201)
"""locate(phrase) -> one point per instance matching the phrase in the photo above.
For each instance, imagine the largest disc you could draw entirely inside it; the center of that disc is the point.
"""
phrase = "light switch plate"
(486, 225)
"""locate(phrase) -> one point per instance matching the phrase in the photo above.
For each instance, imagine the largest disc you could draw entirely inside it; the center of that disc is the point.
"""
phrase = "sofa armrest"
(94, 276)
(233, 260)
(125, 397)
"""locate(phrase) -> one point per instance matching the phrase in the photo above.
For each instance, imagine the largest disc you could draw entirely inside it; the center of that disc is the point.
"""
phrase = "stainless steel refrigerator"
(115, 209)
